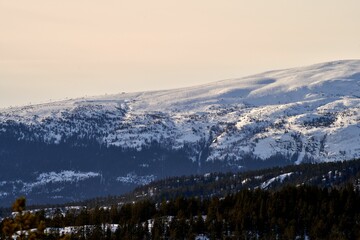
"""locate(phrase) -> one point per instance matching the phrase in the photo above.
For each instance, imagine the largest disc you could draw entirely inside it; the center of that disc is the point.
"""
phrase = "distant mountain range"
(81, 148)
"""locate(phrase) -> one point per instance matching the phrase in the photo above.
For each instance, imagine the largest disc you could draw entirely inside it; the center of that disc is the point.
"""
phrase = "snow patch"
(279, 178)
(53, 177)
(133, 178)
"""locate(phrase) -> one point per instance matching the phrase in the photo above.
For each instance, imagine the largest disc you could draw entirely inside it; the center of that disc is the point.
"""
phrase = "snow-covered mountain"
(294, 115)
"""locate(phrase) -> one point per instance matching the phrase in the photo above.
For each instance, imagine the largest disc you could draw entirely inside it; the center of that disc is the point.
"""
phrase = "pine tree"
(22, 223)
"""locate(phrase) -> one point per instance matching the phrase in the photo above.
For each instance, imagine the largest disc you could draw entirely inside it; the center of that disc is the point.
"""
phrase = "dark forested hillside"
(323, 175)
(304, 212)
(59, 173)
(307, 201)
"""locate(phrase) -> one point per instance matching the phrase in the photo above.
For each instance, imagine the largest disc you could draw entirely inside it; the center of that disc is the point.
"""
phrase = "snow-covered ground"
(308, 112)
(51, 177)
(133, 178)
(279, 178)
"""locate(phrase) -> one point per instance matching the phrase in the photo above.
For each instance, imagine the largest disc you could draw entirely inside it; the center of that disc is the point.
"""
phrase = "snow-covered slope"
(308, 113)
(81, 148)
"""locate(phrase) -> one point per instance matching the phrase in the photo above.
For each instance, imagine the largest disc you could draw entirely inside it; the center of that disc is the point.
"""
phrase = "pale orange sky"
(56, 49)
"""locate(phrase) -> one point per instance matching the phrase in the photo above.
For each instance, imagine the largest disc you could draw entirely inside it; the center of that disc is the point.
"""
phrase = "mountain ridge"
(112, 97)
(307, 114)
(343, 91)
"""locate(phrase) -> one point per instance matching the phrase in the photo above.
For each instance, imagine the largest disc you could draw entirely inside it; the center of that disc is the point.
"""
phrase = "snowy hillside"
(278, 117)
(311, 112)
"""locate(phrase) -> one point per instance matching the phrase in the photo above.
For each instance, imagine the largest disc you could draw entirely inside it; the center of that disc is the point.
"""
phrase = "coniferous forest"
(315, 201)
(304, 212)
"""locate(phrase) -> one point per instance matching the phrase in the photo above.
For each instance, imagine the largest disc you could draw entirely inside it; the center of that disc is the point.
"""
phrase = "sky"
(52, 50)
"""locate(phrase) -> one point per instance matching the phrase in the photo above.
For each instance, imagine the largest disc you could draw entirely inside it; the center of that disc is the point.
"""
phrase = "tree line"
(289, 213)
